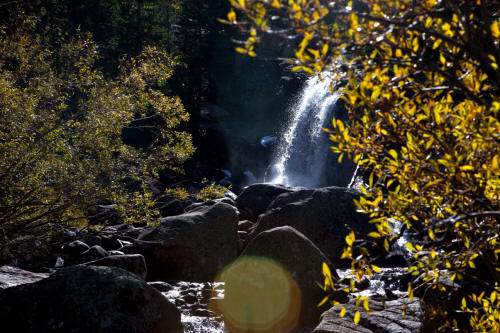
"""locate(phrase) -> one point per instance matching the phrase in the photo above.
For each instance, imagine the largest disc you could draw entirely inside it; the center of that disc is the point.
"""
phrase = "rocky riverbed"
(246, 263)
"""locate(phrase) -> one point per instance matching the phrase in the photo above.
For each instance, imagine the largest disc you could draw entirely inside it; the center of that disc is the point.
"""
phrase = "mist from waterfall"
(303, 147)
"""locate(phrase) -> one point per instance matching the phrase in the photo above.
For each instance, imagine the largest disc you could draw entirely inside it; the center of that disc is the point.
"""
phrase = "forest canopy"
(421, 81)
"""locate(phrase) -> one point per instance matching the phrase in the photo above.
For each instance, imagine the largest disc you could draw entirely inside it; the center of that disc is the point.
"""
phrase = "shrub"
(61, 123)
(421, 81)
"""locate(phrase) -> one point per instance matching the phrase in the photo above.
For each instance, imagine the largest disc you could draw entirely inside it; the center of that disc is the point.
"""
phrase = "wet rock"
(161, 286)
(389, 319)
(191, 247)
(203, 313)
(245, 225)
(231, 195)
(133, 263)
(13, 276)
(320, 214)
(190, 298)
(205, 295)
(88, 299)
(255, 199)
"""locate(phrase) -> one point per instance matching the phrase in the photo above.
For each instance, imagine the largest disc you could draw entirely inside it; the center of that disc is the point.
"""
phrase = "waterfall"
(303, 147)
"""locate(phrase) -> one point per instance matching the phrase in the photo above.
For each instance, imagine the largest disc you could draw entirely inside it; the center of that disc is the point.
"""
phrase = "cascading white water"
(303, 146)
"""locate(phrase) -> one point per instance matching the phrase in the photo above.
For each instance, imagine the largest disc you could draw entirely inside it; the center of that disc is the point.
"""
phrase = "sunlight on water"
(303, 146)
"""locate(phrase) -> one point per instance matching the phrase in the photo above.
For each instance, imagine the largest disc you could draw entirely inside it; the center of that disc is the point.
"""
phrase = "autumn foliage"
(421, 81)
(61, 125)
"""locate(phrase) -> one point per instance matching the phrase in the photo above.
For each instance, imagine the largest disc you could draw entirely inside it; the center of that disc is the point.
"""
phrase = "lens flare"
(260, 296)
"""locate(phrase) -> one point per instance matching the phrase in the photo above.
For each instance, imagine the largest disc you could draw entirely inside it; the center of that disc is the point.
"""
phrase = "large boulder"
(385, 317)
(13, 276)
(255, 199)
(271, 287)
(192, 247)
(322, 215)
(134, 263)
(88, 299)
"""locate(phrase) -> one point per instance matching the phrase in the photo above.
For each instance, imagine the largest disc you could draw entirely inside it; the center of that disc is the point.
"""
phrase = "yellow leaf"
(437, 115)
(323, 301)
(231, 16)
(342, 313)
(375, 93)
(494, 163)
(442, 59)
(393, 154)
(241, 50)
(357, 317)
(386, 245)
(374, 235)
(349, 239)
(376, 269)
(365, 305)
(327, 274)
(324, 50)
(495, 29)
(303, 68)
(415, 44)
(437, 43)
(431, 233)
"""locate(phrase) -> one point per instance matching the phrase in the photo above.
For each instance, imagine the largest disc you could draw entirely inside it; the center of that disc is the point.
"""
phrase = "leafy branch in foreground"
(421, 81)
(61, 124)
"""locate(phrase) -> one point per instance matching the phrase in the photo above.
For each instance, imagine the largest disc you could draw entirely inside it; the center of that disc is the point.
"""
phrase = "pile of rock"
(275, 238)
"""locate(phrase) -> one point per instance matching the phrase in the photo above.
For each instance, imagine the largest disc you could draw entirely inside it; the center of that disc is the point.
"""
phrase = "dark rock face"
(94, 253)
(194, 206)
(29, 252)
(192, 247)
(88, 299)
(172, 208)
(389, 319)
(245, 225)
(13, 276)
(298, 256)
(255, 199)
(75, 248)
(320, 214)
(133, 263)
